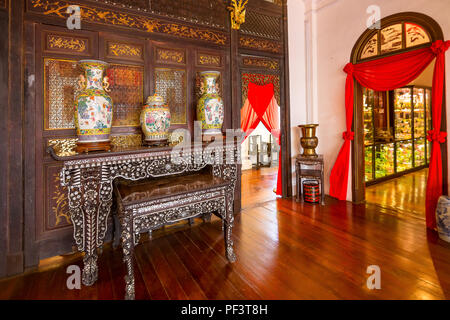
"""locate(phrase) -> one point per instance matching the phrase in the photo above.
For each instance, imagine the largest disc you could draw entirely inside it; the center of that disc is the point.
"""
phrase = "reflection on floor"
(258, 185)
(405, 194)
(284, 249)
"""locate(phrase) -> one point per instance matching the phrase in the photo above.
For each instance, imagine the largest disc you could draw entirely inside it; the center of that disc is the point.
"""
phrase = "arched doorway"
(398, 33)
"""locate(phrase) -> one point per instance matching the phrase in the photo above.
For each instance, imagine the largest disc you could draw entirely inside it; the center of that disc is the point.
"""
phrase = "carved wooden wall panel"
(261, 25)
(259, 62)
(171, 85)
(260, 79)
(125, 51)
(61, 43)
(94, 14)
(208, 59)
(56, 204)
(169, 55)
(60, 90)
(249, 42)
(127, 91)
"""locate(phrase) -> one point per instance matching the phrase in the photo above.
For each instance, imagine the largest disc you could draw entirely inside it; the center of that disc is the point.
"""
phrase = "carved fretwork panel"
(261, 25)
(207, 12)
(166, 55)
(260, 79)
(137, 21)
(249, 42)
(56, 203)
(171, 85)
(128, 51)
(60, 90)
(127, 91)
(260, 62)
(67, 44)
(209, 59)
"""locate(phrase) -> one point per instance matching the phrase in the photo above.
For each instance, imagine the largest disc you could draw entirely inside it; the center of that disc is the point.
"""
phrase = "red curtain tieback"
(348, 135)
(440, 46)
(438, 136)
(349, 68)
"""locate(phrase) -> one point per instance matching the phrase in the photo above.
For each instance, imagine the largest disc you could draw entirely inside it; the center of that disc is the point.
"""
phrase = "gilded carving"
(237, 13)
(60, 206)
(63, 147)
(261, 62)
(209, 60)
(260, 44)
(260, 79)
(168, 55)
(123, 49)
(123, 19)
(67, 43)
(125, 141)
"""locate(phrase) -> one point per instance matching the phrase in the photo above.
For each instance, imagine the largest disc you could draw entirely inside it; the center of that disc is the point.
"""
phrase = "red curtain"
(388, 74)
(261, 105)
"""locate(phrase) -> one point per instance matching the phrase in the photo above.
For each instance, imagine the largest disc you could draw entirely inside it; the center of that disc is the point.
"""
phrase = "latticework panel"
(260, 79)
(206, 12)
(171, 85)
(60, 90)
(127, 92)
(257, 24)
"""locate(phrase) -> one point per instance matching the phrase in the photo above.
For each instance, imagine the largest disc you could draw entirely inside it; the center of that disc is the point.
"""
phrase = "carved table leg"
(128, 254)
(89, 204)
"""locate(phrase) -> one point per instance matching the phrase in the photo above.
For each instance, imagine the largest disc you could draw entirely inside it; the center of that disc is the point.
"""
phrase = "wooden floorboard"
(285, 250)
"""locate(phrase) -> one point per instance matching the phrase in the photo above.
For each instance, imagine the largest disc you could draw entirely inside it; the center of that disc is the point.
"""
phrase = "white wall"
(335, 27)
(297, 76)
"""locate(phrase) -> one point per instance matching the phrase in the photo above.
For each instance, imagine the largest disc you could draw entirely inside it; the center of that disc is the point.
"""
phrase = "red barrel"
(311, 191)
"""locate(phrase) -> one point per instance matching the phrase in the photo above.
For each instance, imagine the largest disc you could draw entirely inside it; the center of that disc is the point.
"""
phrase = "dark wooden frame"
(435, 32)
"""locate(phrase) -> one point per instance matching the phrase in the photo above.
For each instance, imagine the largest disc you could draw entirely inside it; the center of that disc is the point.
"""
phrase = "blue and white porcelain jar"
(443, 218)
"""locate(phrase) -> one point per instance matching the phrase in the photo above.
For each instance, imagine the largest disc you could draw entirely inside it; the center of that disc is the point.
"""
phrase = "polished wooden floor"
(285, 250)
(406, 194)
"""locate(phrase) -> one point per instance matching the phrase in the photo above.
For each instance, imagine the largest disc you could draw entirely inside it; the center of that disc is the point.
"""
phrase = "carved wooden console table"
(89, 181)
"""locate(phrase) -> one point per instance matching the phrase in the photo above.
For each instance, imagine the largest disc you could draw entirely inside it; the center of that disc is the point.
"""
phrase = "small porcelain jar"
(155, 121)
(443, 218)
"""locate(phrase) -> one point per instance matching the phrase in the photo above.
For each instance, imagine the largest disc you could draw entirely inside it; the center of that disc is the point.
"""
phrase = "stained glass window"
(371, 47)
(171, 85)
(391, 38)
(60, 90)
(127, 86)
(415, 35)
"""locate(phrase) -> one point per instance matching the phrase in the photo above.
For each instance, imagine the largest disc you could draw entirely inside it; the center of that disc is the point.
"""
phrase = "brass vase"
(309, 141)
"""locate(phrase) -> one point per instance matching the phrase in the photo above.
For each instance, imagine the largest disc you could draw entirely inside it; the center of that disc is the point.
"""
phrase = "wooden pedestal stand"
(93, 146)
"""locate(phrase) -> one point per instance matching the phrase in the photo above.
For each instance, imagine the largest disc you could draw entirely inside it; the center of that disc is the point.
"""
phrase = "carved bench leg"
(227, 224)
(90, 269)
(128, 254)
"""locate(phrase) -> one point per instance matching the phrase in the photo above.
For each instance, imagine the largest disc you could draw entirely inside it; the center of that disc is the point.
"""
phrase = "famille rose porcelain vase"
(210, 108)
(155, 121)
(443, 218)
(93, 108)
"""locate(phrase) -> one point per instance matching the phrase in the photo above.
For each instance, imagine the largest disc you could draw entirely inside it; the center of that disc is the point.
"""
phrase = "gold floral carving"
(125, 141)
(170, 55)
(209, 60)
(237, 13)
(60, 207)
(123, 19)
(260, 44)
(63, 147)
(61, 42)
(122, 49)
(263, 63)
